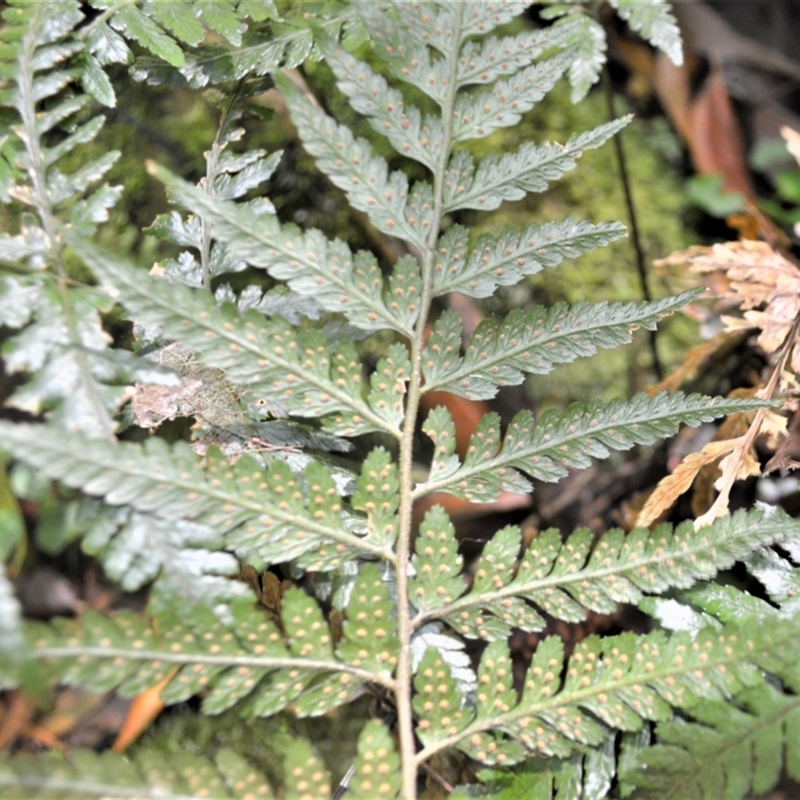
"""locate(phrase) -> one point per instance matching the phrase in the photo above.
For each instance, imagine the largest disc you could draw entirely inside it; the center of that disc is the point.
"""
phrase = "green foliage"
(653, 20)
(280, 322)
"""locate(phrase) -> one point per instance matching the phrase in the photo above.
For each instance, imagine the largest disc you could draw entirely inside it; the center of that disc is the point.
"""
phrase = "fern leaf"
(178, 19)
(242, 659)
(436, 581)
(305, 773)
(134, 24)
(547, 447)
(400, 122)
(377, 494)
(62, 345)
(287, 44)
(621, 681)
(150, 773)
(134, 548)
(565, 579)
(531, 342)
(514, 175)
(62, 348)
(504, 260)
(656, 23)
(588, 38)
(370, 640)
(438, 703)
(309, 263)
(272, 360)
(485, 60)
(277, 524)
(354, 168)
(779, 577)
(406, 56)
(377, 765)
(727, 750)
(481, 113)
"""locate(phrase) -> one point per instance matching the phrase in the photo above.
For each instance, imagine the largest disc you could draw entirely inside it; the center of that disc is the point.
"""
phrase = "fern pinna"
(377, 607)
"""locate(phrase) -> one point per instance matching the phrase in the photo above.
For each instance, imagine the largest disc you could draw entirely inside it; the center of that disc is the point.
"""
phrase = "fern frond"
(617, 681)
(83, 773)
(229, 176)
(514, 175)
(264, 516)
(61, 344)
(311, 264)
(137, 548)
(399, 42)
(352, 165)
(286, 42)
(481, 113)
(275, 361)
(533, 342)
(545, 448)
(504, 260)
(726, 750)
(655, 22)
(244, 659)
(564, 580)
(377, 765)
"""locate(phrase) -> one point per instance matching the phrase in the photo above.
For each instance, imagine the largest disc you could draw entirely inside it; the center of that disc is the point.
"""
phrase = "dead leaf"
(674, 485)
(760, 282)
(143, 710)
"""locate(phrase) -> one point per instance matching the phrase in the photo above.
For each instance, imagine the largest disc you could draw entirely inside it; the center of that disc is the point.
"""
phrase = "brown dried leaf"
(674, 485)
(759, 281)
(740, 464)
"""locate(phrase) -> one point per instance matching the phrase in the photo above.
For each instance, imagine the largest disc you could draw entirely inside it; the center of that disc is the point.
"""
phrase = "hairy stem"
(405, 721)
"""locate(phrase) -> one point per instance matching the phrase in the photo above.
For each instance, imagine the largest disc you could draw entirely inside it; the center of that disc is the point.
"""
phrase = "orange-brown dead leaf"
(15, 713)
(715, 138)
(144, 709)
(674, 485)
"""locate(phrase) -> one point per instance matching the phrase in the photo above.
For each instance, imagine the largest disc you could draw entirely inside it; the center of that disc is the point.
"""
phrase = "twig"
(636, 240)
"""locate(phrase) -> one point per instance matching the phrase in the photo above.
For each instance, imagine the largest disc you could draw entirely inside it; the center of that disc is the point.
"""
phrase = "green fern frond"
(618, 681)
(565, 579)
(504, 260)
(273, 359)
(653, 20)
(365, 178)
(245, 658)
(514, 175)
(84, 773)
(545, 448)
(264, 516)
(61, 345)
(726, 750)
(377, 765)
(311, 264)
(229, 176)
(533, 342)
(285, 42)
